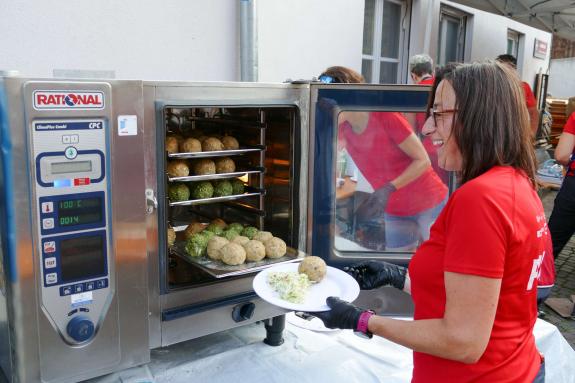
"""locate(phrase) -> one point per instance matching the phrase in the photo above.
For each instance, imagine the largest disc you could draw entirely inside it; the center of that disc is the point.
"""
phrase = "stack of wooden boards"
(558, 108)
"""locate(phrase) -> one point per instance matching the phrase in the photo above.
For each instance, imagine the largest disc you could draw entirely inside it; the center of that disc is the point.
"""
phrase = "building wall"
(562, 48)
(298, 39)
(486, 36)
(561, 78)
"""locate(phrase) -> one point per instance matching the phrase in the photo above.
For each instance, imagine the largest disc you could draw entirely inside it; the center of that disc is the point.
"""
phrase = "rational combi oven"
(107, 187)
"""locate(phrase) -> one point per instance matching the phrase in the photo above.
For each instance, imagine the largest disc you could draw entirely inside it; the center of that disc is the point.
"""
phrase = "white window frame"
(514, 37)
(375, 57)
(460, 17)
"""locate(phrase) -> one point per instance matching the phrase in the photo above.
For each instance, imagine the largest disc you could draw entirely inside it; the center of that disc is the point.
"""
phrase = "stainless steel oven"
(104, 186)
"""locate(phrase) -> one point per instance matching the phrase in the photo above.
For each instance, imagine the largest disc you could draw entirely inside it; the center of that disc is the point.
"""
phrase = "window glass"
(391, 30)
(368, 24)
(366, 69)
(374, 151)
(451, 37)
(388, 73)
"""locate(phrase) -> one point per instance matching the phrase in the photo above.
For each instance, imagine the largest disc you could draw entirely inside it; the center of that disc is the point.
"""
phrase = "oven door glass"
(377, 187)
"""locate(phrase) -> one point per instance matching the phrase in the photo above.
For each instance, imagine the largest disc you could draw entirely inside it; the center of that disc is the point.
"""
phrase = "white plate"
(336, 283)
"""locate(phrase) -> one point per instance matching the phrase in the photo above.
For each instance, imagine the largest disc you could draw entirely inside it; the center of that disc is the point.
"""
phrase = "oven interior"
(261, 155)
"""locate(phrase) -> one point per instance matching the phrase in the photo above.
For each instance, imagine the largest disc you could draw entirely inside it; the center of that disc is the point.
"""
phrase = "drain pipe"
(248, 41)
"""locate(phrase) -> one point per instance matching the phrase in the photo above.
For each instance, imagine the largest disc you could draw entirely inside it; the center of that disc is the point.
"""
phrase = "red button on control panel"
(81, 181)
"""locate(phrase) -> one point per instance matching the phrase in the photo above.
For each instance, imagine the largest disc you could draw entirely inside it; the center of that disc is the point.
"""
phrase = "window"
(384, 41)
(452, 26)
(512, 43)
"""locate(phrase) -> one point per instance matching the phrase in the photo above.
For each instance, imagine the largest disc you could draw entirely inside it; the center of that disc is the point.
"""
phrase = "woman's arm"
(413, 147)
(463, 332)
(564, 148)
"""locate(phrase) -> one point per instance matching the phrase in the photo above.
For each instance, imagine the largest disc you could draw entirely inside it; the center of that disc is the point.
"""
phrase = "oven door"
(362, 139)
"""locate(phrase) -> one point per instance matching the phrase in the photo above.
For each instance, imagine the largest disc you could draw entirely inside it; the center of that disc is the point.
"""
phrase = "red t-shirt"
(492, 226)
(570, 128)
(377, 155)
(529, 97)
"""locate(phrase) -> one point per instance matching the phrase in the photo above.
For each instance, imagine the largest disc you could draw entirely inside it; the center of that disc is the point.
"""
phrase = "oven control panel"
(72, 195)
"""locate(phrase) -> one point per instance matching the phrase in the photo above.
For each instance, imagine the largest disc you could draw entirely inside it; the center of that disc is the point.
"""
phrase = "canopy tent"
(555, 16)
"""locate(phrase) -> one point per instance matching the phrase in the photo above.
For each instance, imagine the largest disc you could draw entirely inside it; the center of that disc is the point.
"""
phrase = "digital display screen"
(82, 258)
(71, 167)
(80, 211)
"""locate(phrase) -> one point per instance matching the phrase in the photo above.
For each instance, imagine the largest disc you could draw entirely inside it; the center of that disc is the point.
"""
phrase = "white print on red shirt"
(544, 229)
(535, 270)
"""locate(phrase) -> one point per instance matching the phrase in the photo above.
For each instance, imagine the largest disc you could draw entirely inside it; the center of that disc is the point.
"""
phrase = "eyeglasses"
(434, 113)
(327, 79)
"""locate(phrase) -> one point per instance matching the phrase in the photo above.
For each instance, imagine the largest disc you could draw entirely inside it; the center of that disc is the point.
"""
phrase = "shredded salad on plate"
(290, 285)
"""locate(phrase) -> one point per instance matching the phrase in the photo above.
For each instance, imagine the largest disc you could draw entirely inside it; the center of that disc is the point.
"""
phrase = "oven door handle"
(151, 201)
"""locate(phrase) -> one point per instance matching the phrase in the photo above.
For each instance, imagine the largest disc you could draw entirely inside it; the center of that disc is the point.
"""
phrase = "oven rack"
(218, 269)
(218, 153)
(227, 122)
(250, 192)
(207, 177)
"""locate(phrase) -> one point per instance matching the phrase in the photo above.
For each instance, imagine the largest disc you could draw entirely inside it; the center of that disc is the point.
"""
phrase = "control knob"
(80, 328)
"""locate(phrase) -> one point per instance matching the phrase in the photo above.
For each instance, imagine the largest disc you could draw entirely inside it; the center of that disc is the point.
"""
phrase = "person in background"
(530, 101)
(562, 220)
(421, 71)
(395, 169)
(471, 280)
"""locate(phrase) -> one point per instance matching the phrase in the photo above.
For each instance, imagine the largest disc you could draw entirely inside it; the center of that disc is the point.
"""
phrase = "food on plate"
(193, 228)
(178, 192)
(290, 285)
(238, 186)
(171, 236)
(190, 145)
(250, 232)
(211, 144)
(230, 143)
(263, 236)
(225, 165)
(196, 245)
(222, 188)
(214, 245)
(241, 240)
(178, 168)
(230, 234)
(220, 222)
(233, 254)
(275, 247)
(201, 190)
(314, 267)
(214, 228)
(204, 166)
(171, 144)
(236, 226)
(255, 251)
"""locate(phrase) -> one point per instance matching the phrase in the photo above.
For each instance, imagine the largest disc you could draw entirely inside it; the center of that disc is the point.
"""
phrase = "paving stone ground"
(564, 280)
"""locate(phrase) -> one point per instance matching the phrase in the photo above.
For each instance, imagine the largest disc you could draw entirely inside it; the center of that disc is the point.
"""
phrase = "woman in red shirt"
(472, 280)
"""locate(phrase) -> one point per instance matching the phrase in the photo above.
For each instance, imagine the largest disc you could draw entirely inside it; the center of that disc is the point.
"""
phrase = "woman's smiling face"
(439, 127)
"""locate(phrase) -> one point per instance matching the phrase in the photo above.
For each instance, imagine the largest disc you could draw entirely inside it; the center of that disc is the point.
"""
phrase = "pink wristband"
(363, 321)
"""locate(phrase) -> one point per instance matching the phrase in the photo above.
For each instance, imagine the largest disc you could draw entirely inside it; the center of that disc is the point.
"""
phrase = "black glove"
(374, 205)
(374, 274)
(342, 315)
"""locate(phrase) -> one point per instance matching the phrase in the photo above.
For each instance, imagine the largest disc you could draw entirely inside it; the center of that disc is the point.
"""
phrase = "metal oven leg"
(274, 330)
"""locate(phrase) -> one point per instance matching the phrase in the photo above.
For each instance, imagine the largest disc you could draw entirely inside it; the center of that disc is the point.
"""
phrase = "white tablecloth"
(239, 355)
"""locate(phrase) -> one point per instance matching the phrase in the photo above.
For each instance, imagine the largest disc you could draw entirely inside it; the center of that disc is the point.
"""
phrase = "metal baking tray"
(207, 177)
(250, 192)
(219, 269)
(218, 153)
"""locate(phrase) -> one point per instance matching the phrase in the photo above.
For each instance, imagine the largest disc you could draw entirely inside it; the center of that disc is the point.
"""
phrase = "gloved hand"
(374, 205)
(342, 315)
(373, 274)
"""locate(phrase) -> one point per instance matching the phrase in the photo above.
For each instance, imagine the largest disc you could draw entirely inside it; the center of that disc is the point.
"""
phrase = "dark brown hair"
(491, 126)
(343, 75)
